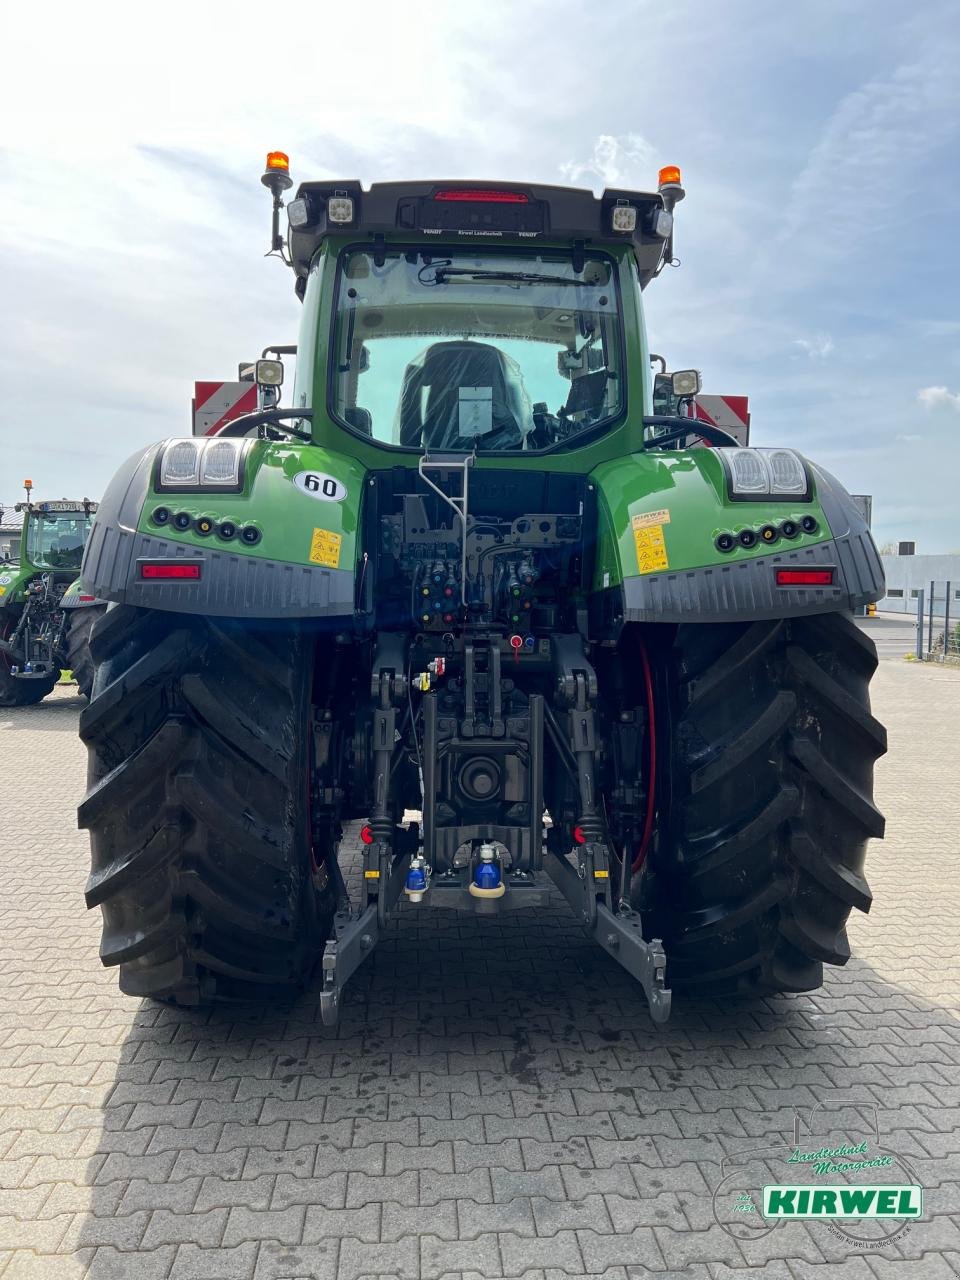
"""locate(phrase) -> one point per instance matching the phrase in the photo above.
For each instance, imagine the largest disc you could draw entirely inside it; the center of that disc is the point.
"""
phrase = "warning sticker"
(325, 548)
(651, 548)
(651, 517)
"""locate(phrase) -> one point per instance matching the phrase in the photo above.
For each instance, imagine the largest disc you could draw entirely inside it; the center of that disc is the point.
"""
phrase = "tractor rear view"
(471, 574)
(44, 617)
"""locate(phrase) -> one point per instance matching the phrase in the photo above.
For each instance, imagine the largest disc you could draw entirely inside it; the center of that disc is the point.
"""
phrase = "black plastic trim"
(746, 589)
(232, 584)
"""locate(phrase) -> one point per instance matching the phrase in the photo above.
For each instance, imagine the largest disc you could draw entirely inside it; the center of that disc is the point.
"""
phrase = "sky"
(820, 149)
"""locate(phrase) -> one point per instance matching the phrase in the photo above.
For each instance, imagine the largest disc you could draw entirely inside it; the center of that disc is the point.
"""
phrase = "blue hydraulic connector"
(487, 875)
(418, 880)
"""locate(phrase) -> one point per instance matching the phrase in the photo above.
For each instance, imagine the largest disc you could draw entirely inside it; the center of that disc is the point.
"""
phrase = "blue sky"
(819, 145)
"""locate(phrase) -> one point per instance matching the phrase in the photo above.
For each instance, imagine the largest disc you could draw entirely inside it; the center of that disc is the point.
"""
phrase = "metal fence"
(938, 622)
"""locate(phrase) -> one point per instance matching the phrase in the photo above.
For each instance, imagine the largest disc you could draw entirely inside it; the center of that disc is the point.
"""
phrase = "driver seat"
(433, 422)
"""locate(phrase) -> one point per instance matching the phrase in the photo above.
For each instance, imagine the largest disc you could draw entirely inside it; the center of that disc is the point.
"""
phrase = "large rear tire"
(79, 627)
(197, 807)
(15, 691)
(769, 804)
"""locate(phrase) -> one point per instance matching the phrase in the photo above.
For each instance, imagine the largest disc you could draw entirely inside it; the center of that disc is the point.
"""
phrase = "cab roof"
(477, 213)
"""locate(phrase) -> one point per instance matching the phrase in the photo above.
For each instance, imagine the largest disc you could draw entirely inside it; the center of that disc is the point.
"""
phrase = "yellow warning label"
(3, 591)
(371, 875)
(325, 548)
(651, 549)
(651, 517)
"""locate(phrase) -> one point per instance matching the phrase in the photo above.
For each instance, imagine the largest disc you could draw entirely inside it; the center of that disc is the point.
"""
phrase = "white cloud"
(936, 397)
(818, 347)
(627, 160)
(854, 187)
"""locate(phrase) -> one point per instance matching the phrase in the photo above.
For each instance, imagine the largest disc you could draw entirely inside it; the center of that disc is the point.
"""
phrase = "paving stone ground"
(495, 1103)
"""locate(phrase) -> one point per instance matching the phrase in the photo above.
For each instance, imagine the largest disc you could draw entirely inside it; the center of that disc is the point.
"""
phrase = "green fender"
(660, 515)
(302, 564)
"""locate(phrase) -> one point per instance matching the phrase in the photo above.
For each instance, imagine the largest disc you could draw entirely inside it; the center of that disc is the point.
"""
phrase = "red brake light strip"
(804, 577)
(181, 570)
(474, 196)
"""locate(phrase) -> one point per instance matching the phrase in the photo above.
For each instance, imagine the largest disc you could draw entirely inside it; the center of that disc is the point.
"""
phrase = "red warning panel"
(731, 413)
(217, 403)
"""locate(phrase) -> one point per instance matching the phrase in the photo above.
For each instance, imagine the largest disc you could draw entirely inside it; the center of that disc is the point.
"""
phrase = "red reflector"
(579, 835)
(86, 599)
(482, 197)
(804, 577)
(182, 570)
(366, 834)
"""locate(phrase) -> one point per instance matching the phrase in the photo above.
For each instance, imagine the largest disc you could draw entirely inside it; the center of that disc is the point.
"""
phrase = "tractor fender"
(311, 573)
(661, 515)
(76, 598)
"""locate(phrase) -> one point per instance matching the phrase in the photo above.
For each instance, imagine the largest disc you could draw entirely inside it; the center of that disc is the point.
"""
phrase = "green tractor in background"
(45, 619)
(473, 595)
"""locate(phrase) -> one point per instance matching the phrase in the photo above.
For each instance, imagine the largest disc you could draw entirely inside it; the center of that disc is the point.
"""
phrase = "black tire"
(770, 804)
(197, 807)
(79, 626)
(14, 691)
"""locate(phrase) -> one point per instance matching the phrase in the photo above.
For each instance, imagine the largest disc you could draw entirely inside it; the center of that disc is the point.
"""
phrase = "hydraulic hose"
(652, 772)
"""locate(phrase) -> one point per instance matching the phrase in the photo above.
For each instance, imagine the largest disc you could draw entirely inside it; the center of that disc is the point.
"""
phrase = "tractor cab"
(472, 318)
(55, 533)
(36, 602)
(476, 350)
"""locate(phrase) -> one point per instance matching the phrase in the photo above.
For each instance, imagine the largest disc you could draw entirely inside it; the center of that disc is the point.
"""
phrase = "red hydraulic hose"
(652, 775)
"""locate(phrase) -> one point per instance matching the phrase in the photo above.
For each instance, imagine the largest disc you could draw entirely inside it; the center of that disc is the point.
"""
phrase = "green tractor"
(45, 619)
(472, 595)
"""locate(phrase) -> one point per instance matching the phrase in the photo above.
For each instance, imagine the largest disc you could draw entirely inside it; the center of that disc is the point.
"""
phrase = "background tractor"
(472, 594)
(45, 618)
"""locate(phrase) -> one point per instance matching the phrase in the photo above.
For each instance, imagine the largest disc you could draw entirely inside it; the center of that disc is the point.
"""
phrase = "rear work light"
(804, 577)
(215, 464)
(181, 570)
(340, 207)
(623, 217)
(474, 196)
(765, 473)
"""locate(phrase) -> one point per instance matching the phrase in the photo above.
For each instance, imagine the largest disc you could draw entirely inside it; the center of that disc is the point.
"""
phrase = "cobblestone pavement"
(496, 1101)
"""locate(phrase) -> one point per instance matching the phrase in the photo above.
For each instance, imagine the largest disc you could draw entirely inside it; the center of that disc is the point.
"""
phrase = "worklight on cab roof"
(623, 217)
(340, 208)
(298, 212)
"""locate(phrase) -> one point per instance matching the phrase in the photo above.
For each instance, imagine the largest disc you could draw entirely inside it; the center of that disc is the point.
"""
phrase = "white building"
(907, 576)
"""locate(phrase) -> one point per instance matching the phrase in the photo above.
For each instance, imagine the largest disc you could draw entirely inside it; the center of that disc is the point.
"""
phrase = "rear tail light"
(804, 577)
(184, 571)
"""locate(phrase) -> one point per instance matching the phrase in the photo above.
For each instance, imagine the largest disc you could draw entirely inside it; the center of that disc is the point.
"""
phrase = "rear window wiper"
(510, 277)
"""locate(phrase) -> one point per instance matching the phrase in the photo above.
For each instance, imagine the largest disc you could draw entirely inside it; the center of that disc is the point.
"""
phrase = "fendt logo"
(842, 1202)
